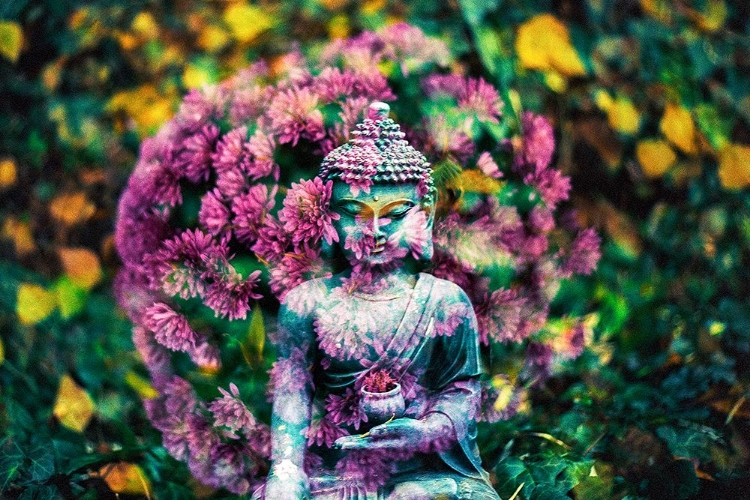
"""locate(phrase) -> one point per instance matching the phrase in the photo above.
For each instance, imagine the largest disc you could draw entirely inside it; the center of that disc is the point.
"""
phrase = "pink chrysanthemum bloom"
(231, 412)
(537, 144)
(499, 317)
(324, 432)
(487, 165)
(345, 409)
(193, 159)
(170, 328)
(295, 115)
(250, 210)
(213, 215)
(307, 215)
(296, 268)
(584, 253)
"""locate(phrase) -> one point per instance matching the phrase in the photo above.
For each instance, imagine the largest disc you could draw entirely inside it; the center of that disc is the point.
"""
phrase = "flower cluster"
(203, 215)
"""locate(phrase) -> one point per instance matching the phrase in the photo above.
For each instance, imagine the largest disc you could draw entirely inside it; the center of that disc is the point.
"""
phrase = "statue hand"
(286, 481)
(402, 434)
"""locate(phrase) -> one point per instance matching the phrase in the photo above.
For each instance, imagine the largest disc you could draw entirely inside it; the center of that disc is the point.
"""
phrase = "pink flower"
(296, 268)
(345, 409)
(481, 99)
(229, 294)
(537, 146)
(250, 210)
(261, 146)
(170, 328)
(294, 116)
(193, 158)
(232, 151)
(229, 411)
(583, 254)
(324, 432)
(307, 215)
(487, 165)
(499, 317)
(552, 185)
(213, 215)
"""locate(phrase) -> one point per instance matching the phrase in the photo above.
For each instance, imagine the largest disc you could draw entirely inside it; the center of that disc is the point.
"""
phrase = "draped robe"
(434, 354)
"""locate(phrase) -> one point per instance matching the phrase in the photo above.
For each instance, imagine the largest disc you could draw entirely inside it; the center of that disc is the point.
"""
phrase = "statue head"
(383, 192)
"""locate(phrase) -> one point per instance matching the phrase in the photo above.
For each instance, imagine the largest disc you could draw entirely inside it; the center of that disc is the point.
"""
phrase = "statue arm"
(292, 401)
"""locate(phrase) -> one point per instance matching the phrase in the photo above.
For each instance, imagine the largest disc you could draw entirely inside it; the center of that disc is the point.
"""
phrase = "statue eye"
(399, 211)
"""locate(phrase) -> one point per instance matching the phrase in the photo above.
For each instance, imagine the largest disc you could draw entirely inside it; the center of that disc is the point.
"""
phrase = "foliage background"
(651, 105)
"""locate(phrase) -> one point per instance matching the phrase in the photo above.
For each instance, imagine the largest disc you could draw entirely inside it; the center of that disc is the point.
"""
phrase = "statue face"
(381, 226)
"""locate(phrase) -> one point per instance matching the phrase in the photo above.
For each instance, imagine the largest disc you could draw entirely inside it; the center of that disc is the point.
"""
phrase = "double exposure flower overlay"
(223, 215)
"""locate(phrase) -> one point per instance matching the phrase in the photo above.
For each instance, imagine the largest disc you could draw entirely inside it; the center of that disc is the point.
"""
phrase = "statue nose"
(377, 231)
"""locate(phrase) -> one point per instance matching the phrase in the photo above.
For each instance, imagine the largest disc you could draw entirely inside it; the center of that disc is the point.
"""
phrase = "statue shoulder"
(305, 297)
(447, 291)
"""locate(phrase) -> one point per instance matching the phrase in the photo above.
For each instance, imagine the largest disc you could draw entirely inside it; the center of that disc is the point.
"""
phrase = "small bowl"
(382, 406)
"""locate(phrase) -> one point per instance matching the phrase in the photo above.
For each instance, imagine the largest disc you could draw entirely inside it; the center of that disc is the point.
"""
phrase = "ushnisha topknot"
(378, 153)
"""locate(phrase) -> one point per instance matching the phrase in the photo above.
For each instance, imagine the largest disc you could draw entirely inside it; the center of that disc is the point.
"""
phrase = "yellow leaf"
(34, 303)
(140, 385)
(603, 100)
(19, 232)
(338, 27)
(195, 77)
(73, 406)
(145, 106)
(82, 265)
(8, 173)
(504, 392)
(555, 81)
(126, 478)
(623, 116)
(543, 43)
(2, 352)
(678, 127)
(246, 22)
(734, 166)
(658, 9)
(11, 40)
(212, 38)
(655, 157)
(71, 208)
(713, 17)
(475, 181)
(145, 26)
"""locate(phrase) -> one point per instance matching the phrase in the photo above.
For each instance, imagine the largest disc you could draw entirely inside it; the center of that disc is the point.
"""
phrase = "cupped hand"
(400, 434)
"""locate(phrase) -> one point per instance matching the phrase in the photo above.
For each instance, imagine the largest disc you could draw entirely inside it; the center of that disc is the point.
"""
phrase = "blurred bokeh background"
(650, 101)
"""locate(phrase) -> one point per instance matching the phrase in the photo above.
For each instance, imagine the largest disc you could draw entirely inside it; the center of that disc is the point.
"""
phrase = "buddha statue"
(376, 387)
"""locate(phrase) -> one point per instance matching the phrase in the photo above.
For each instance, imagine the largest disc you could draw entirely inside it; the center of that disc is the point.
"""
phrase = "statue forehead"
(379, 194)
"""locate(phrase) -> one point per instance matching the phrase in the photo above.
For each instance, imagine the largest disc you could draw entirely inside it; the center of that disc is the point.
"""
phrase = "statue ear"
(427, 248)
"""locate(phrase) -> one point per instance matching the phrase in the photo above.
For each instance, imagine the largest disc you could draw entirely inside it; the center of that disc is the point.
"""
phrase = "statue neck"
(380, 281)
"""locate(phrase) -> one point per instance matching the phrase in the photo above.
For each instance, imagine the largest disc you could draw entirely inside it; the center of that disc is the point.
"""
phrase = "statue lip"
(378, 249)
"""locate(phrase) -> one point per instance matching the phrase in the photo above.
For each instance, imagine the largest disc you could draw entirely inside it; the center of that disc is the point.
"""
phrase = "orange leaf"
(655, 157)
(678, 127)
(8, 173)
(127, 478)
(71, 208)
(20, 233)
(73, 406)
(82, 265)
(734, 166)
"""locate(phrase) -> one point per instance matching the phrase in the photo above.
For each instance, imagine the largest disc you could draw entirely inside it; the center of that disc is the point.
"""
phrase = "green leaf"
(253, 344)
(71, 298)
(475, 10)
